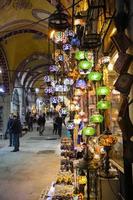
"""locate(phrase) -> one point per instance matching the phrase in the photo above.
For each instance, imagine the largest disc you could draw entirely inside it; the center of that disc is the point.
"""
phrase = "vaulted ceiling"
(25, 47)
(24, 37)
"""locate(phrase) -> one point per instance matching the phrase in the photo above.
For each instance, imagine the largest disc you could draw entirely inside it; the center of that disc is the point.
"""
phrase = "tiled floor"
(24, 174)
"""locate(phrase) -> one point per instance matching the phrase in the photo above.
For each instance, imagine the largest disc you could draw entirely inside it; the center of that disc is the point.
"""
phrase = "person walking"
(9, 130)
(16, 130)
(30, 122)
(59, 121)
(55, 125)
(44, 120)
(40, 124)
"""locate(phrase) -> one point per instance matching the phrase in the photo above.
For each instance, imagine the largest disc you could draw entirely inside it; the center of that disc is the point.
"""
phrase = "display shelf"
(118, 164)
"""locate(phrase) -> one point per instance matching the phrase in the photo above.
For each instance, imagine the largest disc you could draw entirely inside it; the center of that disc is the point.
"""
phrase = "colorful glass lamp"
(80, 83)
(85, 65)
(103, 91)
(80, 55)
(88, 131)
(78, 92)
(103, 105)
(96, 118)
(95, 76)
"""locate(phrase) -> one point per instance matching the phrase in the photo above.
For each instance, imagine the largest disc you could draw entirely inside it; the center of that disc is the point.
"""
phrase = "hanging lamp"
(95, 76)
(88, 131)
(80, 83)
(96, 118)
(59, 20)
(103, 105)
(103, 91)
(80, 55)
(85, 65)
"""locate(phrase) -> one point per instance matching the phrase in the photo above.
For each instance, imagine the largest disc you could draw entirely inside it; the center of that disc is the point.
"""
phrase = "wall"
(5, 103)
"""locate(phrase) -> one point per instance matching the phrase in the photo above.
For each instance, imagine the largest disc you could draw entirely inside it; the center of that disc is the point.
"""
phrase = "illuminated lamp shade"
(102, 91)
(85, 65)
(54, 100)
(69, 33)
(75, 42)
(68, 81)
(80, 55)
(37, 90)
(59, 37)
(60, 58)
(47, 78)
(103, 105)
(82, 180)
(78, 92)
(80, 83)
(49, 90)
(70, 125)
(96, 118)
(88, 131)
(95, 76)
(53, 68)
(67, 47)
(77, 121)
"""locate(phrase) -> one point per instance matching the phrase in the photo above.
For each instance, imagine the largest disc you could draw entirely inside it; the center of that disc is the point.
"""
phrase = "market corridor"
(25, 174)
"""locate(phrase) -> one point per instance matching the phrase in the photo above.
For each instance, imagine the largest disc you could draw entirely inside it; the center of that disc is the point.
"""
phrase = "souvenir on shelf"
(107, 140)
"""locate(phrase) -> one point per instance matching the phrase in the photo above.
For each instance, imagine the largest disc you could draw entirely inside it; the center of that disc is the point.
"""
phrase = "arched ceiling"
(22, 37)
(24, 34)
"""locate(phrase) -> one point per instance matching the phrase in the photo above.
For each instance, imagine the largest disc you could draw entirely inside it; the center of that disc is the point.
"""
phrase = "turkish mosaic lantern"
(96, 118)
(95, 76)
(103, 105)
(103, 91)
(88, 131)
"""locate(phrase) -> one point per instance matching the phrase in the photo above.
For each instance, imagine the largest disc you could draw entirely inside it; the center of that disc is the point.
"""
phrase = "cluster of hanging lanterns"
(77, 78)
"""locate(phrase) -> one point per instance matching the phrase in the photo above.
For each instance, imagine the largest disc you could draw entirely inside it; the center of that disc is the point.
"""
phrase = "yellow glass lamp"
(82, 180)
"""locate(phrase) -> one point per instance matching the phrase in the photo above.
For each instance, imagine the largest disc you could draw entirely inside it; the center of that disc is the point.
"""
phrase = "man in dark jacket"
(40, 122)
(16, 130)
(9, 130)
(59, 121)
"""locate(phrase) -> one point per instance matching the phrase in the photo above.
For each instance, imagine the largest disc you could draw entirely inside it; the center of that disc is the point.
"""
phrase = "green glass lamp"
(85, 65)
(96, 118)
(80, 55)
(102, 91)
(88, 131)
(95, 76)
(103, 105)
